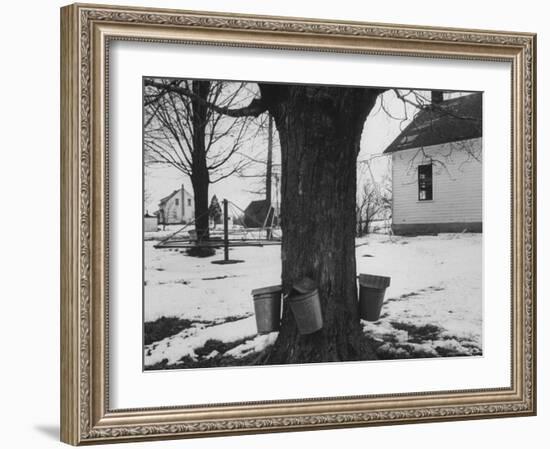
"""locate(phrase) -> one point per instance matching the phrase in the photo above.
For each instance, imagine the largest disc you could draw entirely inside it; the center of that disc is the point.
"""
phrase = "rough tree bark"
(320, 130)
(200, 178)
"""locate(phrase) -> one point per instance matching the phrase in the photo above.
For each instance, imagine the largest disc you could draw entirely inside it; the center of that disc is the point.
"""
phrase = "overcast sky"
(389, 116)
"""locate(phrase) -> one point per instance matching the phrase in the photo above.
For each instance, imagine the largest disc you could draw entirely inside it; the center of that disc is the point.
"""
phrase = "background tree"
(369, 205)
(181, 130)
(264, 166)
(374, 197)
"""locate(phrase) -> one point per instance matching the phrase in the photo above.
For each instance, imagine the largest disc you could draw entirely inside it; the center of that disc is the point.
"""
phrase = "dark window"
(189, 201)
(177, 201)
(425, 186)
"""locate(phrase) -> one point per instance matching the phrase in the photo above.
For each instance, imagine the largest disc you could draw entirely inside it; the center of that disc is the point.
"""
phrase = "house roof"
(166, 198)
(452, 120)
(255, 213)
(257, 207)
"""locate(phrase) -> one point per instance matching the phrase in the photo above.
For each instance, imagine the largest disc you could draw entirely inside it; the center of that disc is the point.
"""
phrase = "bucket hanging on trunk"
(371, 295)
(306, 306)
(267, 308)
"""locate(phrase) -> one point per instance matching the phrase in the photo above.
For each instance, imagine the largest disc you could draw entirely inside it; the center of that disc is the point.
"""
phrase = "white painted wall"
(179, 208)
(171, 209)
(457, 184)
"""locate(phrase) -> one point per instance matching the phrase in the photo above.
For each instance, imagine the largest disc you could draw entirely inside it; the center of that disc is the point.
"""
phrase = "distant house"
(437, 169)
(176, 208)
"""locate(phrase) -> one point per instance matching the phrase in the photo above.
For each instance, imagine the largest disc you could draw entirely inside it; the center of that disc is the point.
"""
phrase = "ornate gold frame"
(86, 31)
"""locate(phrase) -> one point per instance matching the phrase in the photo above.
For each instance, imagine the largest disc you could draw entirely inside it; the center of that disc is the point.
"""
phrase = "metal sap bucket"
(306, 306)
(267, 308)
(371, 295)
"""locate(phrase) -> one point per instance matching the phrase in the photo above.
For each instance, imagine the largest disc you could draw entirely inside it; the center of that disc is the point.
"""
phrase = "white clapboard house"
(176, 208)
(437, 168)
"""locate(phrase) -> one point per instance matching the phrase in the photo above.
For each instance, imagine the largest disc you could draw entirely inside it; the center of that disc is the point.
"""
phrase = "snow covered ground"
(433, 306)
(434, 303)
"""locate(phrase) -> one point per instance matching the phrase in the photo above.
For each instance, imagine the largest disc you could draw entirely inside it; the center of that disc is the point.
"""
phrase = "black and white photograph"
(275, 224)
(298, 223)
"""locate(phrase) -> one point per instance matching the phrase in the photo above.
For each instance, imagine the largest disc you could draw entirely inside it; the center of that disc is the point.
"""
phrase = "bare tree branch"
(254, 109)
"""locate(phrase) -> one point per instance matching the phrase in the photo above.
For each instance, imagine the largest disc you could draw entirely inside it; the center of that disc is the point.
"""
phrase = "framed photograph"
(280, 224)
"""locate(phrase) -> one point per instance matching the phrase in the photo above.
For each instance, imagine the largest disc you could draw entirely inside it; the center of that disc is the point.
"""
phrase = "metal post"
(225, 232)
(269, 164)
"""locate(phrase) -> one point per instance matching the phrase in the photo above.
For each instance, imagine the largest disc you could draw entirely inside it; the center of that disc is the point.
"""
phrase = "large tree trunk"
(200, 177)
(320, 130)
(200, 191)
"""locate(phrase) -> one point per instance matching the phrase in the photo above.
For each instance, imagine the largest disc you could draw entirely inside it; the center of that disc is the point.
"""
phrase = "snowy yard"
(201, 314)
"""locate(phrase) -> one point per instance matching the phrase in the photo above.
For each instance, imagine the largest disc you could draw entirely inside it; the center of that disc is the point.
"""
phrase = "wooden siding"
(457, 184)
(172, 211)
(182, 212)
